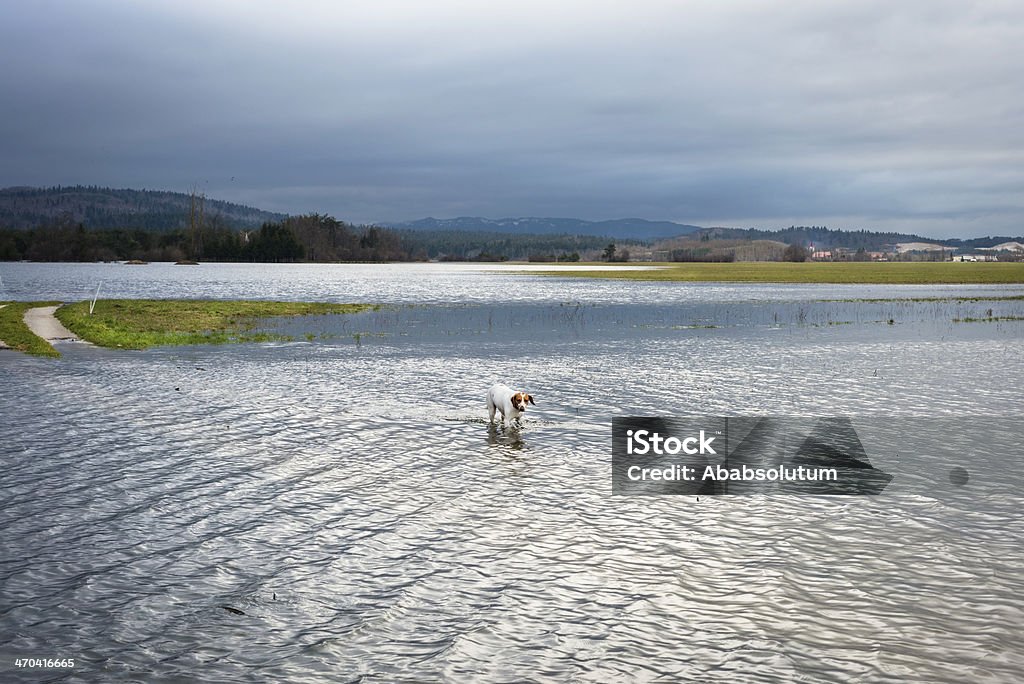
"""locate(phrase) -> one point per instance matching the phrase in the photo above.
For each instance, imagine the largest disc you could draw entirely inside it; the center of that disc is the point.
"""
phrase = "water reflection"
(509, 436)
(414, 283)
(367, 538)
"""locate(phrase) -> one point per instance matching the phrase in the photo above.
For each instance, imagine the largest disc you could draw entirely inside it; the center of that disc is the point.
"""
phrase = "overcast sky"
(853, 114)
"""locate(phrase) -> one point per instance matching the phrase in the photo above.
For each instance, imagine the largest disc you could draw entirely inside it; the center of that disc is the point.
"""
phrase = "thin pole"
(92, 305)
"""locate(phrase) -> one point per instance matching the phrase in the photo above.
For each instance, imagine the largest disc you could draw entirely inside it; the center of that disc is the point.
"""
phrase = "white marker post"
(92, 305)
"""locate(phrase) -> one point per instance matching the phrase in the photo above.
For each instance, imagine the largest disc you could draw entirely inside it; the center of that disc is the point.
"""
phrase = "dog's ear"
(529, 398)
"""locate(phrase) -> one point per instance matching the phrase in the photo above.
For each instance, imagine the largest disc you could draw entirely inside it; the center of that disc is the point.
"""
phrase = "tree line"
(309, 237)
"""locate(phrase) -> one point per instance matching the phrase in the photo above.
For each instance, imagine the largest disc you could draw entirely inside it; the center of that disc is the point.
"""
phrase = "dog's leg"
(490, 409)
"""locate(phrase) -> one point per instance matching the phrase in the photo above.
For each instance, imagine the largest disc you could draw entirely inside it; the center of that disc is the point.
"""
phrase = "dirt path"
(43, 323)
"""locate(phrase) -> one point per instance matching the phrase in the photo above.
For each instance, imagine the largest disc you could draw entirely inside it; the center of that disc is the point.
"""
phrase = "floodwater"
(336, 509)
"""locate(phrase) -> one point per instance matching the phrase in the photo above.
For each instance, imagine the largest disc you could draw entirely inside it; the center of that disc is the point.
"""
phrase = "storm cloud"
(852, 114)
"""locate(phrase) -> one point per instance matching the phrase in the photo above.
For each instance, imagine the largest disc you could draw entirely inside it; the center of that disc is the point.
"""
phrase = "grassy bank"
(16, 334)
(884, 273)
(144, 323)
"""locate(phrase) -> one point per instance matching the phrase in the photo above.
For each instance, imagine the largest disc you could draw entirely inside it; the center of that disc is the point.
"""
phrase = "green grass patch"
(144, 323)
(16, 334)
(890, 273)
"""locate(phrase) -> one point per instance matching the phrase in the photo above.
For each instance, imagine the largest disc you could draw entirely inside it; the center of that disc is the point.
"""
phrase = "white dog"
(510, 404)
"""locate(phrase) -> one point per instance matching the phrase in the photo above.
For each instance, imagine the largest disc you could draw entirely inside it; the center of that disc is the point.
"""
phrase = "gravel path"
(43, 323)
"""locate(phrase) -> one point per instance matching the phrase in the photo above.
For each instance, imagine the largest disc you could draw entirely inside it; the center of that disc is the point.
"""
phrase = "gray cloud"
(855, 114)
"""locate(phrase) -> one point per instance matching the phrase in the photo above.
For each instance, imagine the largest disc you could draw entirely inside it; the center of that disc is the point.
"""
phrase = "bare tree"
(196, 216)
(795, 252)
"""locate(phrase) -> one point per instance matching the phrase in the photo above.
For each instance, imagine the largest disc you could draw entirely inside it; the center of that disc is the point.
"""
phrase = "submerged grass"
(16, 335)
(956, 299)
(893, 273)
(144, 323)
(988, 319)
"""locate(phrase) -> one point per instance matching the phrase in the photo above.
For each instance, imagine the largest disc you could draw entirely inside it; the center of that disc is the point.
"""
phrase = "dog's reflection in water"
(505, 436)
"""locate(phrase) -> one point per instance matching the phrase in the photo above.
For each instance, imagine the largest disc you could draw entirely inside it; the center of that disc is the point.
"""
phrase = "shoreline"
(15, 332)
(139, 324)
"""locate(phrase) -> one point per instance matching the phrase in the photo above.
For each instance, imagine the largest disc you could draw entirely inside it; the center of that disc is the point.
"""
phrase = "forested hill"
(828, 238)
(105, 208)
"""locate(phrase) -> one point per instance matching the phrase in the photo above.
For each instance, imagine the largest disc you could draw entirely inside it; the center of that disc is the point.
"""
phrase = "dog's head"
(520, 400)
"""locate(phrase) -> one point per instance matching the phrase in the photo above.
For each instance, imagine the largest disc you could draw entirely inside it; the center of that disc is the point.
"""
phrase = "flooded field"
(336, 508)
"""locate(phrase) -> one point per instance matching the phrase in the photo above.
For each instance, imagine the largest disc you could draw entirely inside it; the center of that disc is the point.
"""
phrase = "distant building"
(975, 257)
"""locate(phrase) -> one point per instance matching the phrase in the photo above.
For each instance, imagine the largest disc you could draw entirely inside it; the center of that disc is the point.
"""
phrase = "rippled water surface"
(337, 509)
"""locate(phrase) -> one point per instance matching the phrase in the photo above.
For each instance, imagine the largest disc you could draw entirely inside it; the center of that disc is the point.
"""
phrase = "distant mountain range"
(96, 207)
(628, 228)
(158, 210)
(657, 231)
